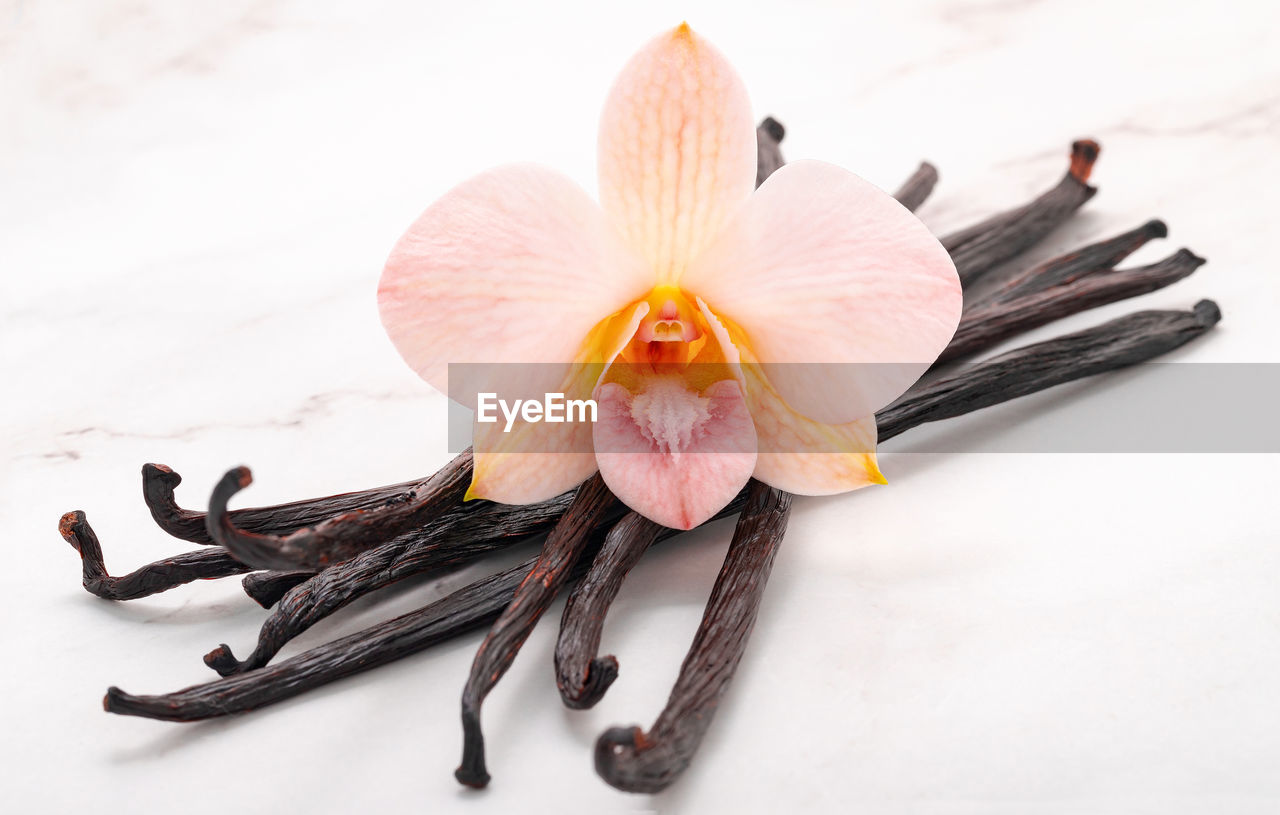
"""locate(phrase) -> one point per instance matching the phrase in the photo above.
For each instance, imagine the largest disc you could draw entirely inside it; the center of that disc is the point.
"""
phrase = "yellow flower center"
(671, 335)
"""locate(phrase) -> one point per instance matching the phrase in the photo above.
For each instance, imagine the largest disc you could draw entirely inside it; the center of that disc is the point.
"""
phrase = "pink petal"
(516, 265)
(673, 455)
(842, 293)
(677, 149)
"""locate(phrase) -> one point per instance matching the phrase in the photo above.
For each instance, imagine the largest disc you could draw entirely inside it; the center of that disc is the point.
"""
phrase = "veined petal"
(677, 149)
(672, 454)
(515, 265)
(842, 293)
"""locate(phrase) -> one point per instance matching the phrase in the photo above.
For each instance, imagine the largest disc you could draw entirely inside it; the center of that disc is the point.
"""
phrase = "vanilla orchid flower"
(724, 333)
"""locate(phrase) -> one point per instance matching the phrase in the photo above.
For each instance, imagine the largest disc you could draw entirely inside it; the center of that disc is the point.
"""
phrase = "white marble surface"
(195, 201)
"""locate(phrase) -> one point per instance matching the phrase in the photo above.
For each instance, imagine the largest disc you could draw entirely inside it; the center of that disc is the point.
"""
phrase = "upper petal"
(677, 149)
(515, 265)
(839, 290)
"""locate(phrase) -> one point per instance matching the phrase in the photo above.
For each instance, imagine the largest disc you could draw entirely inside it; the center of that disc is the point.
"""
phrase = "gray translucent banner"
(1160, 407)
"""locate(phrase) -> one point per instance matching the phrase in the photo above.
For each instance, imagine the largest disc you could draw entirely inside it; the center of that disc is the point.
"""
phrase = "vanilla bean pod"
(1089, 259)
(483, 527)
(991, 322)
(769, 134)
(342, 536)
(978, 249)
(1119, 343)
(162, 575)
(563, 548)
(159, 483)
(637, 761)
(1126, 340)
(473, 524)
(918, 187)
(266, 588)
(467, 609)
(581, 676)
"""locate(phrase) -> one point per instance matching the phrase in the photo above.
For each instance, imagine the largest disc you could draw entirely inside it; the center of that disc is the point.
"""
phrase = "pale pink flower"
(692, 279)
